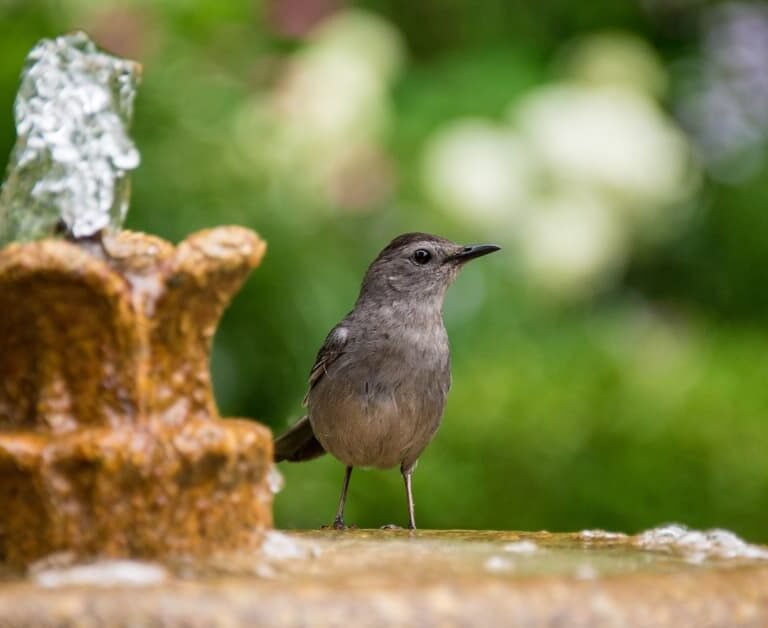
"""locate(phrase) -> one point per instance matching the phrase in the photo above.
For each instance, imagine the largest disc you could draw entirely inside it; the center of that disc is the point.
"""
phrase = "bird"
(378, 386)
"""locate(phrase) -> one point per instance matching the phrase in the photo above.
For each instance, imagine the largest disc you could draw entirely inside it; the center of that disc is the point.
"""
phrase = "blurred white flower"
(615, 140)
(477, 169)
(320, 131)
(581, 171)
(616, 59)
(336, 88)
(365, 36)
(571, 244)
(328, 97)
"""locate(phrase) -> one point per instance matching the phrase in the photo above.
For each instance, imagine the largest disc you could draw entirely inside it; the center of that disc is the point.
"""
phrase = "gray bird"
(379, 383)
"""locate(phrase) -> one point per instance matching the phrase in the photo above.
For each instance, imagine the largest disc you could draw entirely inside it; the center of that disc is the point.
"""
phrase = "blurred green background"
(611, 365)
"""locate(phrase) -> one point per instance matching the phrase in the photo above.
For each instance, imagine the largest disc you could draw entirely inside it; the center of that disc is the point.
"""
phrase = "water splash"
(275, 480)
(69, 167)
(521, 547)
(105, 573)
(504, 563)
(696, 546)
(601, 535)
(278, 546)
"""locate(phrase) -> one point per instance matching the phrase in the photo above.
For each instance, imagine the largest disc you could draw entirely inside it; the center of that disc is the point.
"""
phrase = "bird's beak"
(472, 251)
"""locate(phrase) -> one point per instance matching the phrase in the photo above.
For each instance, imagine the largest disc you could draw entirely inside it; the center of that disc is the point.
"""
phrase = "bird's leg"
(338, 522)
(407, 473)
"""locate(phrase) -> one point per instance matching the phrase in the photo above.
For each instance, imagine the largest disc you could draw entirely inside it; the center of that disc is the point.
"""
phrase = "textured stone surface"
(110, 440)
(424, 578)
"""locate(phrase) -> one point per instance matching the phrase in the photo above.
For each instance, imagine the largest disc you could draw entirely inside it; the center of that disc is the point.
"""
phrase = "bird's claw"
(338, 524)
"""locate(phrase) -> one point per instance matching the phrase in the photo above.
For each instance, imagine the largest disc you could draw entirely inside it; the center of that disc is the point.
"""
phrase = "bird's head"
(418, 264)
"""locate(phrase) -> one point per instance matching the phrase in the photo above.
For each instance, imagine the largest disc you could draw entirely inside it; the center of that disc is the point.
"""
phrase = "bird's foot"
(338, 524)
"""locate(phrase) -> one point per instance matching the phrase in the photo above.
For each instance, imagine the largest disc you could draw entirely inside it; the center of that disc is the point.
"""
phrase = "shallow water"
(372, 557)
(667, 576)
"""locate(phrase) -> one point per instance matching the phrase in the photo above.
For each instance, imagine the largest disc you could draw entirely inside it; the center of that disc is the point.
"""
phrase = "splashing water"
(521, 547)
(601, 535)
(105, 573)
(696, 546)
(279, 546)
(72, 155)
(275, 480)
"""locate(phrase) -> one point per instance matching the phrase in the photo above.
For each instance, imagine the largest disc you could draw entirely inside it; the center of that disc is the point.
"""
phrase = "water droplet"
(275, 480)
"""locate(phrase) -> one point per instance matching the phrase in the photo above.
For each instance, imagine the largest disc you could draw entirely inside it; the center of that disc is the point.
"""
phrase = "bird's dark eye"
(421, 256)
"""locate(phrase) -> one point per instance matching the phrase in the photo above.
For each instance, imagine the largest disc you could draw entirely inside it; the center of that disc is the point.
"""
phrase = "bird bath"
(424, 578)
(126, 500)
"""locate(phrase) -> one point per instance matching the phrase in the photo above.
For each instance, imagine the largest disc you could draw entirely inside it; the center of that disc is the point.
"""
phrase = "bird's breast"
(382, 401)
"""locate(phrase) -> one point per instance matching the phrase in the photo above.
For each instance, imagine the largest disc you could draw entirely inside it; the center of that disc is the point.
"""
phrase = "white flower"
(336, 88)
(617, 59)
(478, 170)
(615, 140)
(365, 36)
(320, 131)
(330, 97)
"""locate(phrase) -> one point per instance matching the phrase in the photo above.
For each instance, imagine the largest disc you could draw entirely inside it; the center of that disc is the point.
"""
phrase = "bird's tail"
(298, 443)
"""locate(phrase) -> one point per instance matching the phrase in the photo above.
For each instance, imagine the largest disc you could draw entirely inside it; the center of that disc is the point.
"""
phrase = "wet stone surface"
(111, 443)
(666, 576)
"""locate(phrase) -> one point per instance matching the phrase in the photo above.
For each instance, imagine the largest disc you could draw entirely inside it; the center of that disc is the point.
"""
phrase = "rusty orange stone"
(110, 439)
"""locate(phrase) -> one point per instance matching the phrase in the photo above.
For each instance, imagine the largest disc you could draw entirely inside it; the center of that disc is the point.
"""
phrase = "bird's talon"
(338, 524)
(391, 526)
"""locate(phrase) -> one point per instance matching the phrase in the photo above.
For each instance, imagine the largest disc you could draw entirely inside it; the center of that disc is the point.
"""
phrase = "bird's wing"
(332, 349)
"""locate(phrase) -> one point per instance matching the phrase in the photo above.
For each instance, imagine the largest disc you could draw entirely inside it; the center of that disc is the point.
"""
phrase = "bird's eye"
(421, 256)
